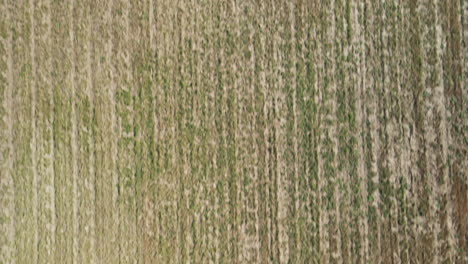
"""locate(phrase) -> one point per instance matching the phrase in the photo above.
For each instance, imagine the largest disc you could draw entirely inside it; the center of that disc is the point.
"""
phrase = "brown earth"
(159, 131)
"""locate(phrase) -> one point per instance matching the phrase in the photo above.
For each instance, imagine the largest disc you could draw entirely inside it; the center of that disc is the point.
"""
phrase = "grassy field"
(215, 131)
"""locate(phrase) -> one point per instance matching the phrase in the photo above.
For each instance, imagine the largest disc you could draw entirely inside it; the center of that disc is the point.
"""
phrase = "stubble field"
(166, 131)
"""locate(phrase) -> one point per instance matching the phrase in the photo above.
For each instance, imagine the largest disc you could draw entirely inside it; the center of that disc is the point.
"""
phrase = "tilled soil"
(160, 131)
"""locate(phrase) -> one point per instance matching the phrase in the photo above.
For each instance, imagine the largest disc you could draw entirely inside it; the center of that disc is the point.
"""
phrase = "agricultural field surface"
(233, 131)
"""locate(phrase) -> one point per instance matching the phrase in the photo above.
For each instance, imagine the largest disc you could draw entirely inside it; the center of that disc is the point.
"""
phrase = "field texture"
(216, 131)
